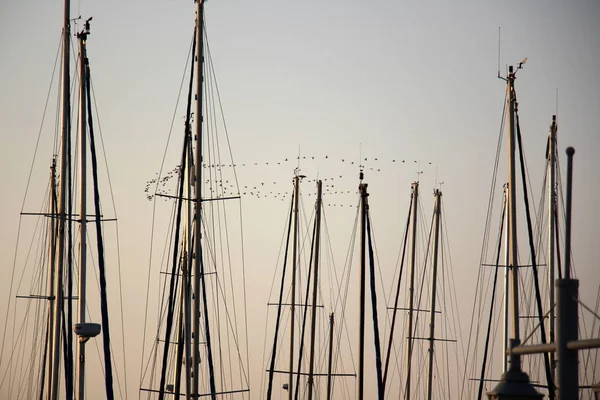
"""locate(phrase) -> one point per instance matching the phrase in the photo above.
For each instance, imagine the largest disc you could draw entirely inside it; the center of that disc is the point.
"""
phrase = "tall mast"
(512, 204)
(80, 382)
(361, 333)
(330, 358)
(311, 383)
(198, 272)
(293, 300)
(436, 243)
(52, 241)
(62, 203)
(551, 242)
(413, 252)
(506, 297)
(189, 261)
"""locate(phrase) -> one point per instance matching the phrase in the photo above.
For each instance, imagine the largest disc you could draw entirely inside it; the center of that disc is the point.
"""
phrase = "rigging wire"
(473, 336)
(10, 291)
(154, 207)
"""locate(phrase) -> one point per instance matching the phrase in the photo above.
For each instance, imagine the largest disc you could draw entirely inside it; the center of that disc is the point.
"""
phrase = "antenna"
(498, 52)
(556, 105)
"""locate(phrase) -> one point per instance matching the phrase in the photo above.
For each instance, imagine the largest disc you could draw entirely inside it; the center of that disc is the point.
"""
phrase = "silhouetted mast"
(62, 204)
(552, 203)
(436, 244)
(311, 383)
(293, 300)
(413, 252)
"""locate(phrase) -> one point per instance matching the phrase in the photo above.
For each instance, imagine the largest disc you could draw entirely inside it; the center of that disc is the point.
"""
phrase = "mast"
(80, 381)
(512, 205)
(311, 383)
(413, 251)
(436, 243)
(551, 243)
(293, 300)
(330, 358)
(506, 297)
(62, 204)
(362, 187)
(189, 266)
(52, 240)
(199, 286)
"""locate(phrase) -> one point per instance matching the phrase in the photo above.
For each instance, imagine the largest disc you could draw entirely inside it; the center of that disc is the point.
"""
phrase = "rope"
(380, 386)
(174, 279)
(395, 309)
(549, 380)
(489, 325)
(154, 213)
(101, 266)
(278, 318)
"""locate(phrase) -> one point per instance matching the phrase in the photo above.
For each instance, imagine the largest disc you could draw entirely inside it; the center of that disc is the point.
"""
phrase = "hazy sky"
(384, 79)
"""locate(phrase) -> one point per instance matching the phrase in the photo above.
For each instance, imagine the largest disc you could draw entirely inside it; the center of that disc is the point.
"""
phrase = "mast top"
(86, 29)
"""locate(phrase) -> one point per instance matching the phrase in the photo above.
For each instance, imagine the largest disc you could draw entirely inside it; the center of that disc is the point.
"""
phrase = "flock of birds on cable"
(222, 182)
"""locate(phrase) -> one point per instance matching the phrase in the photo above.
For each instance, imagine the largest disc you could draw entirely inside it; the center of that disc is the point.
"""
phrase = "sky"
(332, 80)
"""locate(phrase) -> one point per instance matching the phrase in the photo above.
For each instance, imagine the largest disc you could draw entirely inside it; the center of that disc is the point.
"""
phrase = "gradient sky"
(384, 79)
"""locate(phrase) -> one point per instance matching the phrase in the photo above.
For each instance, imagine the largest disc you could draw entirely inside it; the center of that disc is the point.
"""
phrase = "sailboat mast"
(512, 203)
(330, 357)
(361, 333)
(436, 244)
(187, 280)
(199, 284)
(293, 300)
(506, 297)
(413, 252)
(52, 240)
(80, 382)
(62, 203)
(551, 242)
(311, 383)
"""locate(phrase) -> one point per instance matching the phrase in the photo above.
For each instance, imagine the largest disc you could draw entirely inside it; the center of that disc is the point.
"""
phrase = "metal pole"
(436, 243)
(506, 302)
(361, 333)
(198, 199)
(330, 360)
(62, 205)
(570, 153)
(82, 209)
(551, 250)
(311, 384)
(293, 300)
(512, 204)
(188, 276)
(51, 294)
(413, 253)
(567, 312)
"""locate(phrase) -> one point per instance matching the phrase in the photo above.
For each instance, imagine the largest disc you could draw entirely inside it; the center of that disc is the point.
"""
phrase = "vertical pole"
(51, 273)
(82, 210)
(188, 276)
(413, 252)
(567, 313)
(551, 243)
(198, 267)
(361, 333)
(293, 300)
(62, 204)
(436, 243)
(512, 208)
(330, 359)
(311, 383)
(506, 305)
